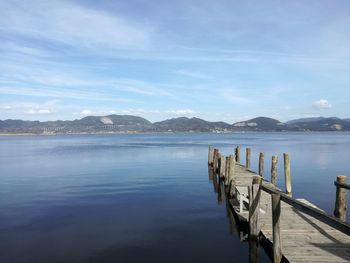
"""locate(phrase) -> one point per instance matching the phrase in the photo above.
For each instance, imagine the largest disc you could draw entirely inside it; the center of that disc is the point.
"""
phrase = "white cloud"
(6, 107)
(322, 104)
(95, 112)
(45, 108)
(139, 111)
(86, 112)
(181, 112)
(38, 111)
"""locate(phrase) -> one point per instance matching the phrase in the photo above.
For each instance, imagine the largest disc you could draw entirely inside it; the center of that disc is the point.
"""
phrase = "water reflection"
(236, 227)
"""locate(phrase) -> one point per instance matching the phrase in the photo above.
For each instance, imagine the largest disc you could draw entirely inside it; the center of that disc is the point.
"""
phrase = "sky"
(217, 60)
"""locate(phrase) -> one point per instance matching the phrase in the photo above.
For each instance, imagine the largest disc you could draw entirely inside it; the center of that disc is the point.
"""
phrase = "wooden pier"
(290, 230)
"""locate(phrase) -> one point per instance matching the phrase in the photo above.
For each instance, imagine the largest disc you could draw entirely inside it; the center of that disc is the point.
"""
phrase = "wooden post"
(238, 154)
(261, 164)
(219, 164)
(274, 170)
(222, 166)
(247, 158)
(340, 199)
(231, 171)
(227, 162)
(254, 207)
(215, 160)
(287, 174)
(210, 155)
(276, 215)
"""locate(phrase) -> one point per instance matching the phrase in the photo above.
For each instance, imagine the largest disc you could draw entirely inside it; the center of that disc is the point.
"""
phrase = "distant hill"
(190, 124)
(135, 124)
(260, 124)
(321, 124)
(311, 119)
(89, 124)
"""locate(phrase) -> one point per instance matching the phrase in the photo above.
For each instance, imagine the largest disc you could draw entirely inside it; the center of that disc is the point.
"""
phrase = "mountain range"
(135, 124)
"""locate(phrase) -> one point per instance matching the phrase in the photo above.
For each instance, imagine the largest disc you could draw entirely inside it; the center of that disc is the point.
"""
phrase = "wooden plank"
(342, 185)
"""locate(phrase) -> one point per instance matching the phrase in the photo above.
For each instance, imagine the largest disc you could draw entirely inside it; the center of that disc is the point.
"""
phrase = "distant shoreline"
(129, 124)
(179, 132)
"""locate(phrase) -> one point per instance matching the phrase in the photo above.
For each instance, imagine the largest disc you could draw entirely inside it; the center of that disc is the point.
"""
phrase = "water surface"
(132, 198)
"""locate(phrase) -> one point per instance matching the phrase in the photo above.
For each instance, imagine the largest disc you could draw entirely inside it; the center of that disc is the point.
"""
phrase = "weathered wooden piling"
(247, 158)
(261, 164)
(287, 174)
(238, 154)
(215, 160)
(219, 164)
(222, 166)
(210, 155)
(340, 198)
(231, 173)
(227, 166)
(276, 215)
(254, 207)
(274, 170)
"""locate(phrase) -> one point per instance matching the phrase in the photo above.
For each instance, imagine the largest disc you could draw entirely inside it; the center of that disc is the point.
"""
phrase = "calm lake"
(142, 198)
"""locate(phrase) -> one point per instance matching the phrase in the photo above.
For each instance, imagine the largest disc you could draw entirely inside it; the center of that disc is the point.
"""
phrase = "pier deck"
(303, 237)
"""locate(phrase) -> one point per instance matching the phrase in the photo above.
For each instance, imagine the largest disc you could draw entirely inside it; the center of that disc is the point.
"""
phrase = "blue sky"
(218, 60)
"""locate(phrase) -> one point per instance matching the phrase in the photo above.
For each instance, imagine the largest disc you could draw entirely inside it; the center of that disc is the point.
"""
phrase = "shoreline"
(179, 132)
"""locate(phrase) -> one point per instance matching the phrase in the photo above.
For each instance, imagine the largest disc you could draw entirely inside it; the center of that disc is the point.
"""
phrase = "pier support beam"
(219, 164)
(222, 166)
(231, 172)
(276, 215)
(254, 208)
(238, 154)
(287, 174)
(227, 167)
(247, 158)
(274, 170)
(215, 160)
(340, 199)
(210, 156)
(261, 164)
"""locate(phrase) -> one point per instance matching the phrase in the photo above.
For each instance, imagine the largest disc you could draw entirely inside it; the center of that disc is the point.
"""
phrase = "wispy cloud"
(173, 59)
(51, 80)
(70, 24)
(194, 74)
(233, 95)
(181, 112)
(322, 104)
(55, 93)
(48, 107)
